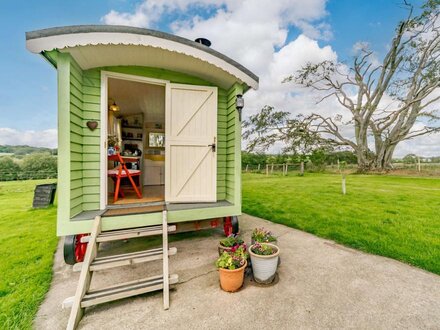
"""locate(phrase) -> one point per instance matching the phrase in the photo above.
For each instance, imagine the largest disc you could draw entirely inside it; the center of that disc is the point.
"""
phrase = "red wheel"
(227, 226)
(74, 250)
(230, 225)
(80, 248)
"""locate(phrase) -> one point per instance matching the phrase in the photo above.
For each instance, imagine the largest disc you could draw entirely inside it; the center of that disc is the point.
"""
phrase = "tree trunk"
(384, 157)
(362, 147)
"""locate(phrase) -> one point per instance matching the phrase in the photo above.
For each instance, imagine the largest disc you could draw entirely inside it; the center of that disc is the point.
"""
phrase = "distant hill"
(25, 150)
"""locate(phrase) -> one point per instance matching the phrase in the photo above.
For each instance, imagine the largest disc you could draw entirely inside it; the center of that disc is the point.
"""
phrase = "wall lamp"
(113, 107)
(239, 104)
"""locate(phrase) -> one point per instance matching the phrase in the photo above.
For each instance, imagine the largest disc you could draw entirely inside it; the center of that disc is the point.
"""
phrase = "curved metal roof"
(110, 45)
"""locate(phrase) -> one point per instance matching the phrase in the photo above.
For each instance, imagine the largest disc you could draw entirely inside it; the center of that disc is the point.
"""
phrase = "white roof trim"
(47, 43)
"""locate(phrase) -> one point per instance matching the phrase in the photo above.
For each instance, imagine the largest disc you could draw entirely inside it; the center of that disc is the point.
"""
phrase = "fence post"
(418, 164)
(258, 168)
(301, 170)
(247, 166)
(344, 191)
(271, 169)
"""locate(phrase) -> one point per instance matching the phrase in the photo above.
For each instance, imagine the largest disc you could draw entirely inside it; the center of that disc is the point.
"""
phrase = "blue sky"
(28, 84)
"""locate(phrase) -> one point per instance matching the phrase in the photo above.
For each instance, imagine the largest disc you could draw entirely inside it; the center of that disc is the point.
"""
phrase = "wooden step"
(125, 290)
(125, 259)
(108, 236)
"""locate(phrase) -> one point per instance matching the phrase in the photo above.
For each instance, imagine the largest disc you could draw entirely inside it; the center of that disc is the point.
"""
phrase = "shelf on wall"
(137, 127)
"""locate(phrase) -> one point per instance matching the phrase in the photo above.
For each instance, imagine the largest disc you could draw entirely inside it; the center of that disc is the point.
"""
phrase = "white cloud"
(254, 33)
(46, 138)
(426, 146)
(149, 12)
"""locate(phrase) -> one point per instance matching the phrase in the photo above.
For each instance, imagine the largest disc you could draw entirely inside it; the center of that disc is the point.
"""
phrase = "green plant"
(112, 140)
(262, 235)
(263, 249)
(231, 240)
(232, 260)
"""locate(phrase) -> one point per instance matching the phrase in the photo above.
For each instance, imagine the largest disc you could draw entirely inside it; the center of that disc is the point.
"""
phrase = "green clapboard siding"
(76, 138)
(78, 102)
(232, 147)
(79, 166)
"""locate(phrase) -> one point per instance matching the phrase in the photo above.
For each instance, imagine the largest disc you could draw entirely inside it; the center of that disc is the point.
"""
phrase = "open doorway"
(136, 142)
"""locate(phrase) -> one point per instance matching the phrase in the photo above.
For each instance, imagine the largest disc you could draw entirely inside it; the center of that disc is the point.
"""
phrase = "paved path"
(321, 285)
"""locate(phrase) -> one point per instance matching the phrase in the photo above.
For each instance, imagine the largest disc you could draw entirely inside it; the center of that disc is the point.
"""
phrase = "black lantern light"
(239, 104)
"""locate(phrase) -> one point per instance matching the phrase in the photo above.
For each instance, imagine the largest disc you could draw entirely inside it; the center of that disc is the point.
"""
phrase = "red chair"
(123, 172)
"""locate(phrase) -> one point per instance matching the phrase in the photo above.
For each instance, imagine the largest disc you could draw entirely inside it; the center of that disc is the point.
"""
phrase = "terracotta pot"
(232, 280)
(264, 267)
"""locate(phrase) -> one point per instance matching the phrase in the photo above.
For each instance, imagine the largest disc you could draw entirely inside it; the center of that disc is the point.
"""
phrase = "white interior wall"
(134, 97)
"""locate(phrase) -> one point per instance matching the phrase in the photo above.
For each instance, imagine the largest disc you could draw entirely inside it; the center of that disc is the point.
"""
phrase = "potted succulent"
(230, 244)
(264, 259)
(231, 266)
(262, 235)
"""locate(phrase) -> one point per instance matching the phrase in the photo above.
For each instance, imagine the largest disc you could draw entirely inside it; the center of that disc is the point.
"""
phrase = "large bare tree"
(384, 99)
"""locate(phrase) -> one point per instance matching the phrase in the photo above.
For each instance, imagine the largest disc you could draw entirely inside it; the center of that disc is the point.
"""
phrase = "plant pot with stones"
(264, 258)
(231, 268)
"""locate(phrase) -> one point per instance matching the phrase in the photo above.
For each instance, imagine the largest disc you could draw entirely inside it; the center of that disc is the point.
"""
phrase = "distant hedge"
(33, 166)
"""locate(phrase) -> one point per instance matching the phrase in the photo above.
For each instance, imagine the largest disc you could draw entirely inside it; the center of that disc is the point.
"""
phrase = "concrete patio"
(321, 285)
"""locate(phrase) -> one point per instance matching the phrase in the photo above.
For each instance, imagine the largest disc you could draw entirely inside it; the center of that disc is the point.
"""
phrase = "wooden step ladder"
(84, 297)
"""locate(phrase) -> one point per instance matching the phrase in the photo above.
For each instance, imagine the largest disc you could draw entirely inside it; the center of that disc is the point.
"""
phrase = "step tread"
(129, 258)
(132, 233)
(129, 230)
(125, 290)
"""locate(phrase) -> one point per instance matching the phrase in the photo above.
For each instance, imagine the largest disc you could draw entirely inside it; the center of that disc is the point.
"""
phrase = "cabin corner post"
(63, 81)
(103, 141)
(233, 147)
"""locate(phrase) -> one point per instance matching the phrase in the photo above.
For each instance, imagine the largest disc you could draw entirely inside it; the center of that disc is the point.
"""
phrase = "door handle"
(212, 147)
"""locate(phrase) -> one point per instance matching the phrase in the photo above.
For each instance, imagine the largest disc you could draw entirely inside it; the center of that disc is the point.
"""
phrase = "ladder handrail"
(166, 284)
(85, 276)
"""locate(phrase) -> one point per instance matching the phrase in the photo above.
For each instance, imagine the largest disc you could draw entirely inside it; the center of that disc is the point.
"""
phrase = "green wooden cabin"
(144, 87)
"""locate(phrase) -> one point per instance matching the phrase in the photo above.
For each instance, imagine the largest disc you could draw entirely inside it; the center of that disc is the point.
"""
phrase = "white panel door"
(190, 132)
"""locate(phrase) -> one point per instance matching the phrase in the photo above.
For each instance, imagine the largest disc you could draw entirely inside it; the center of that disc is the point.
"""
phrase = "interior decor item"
(111, 151)
(113, 106)
(262, 235)
(112, 140)
(264, 259)
(231, 268)
(230, 244)
(156, 139)
(92, 124)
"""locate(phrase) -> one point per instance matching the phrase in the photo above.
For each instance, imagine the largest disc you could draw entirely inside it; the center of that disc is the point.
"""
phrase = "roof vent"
(203, 41)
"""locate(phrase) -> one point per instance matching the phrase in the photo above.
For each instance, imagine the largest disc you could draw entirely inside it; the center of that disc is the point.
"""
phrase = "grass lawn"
(397, 217)
(27, 243)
